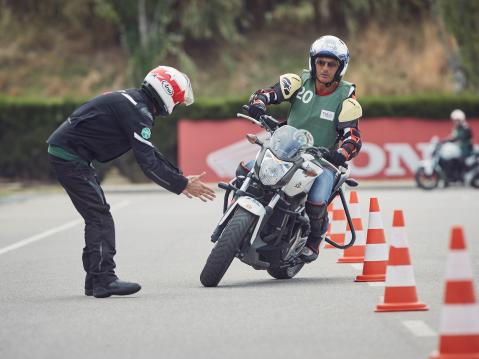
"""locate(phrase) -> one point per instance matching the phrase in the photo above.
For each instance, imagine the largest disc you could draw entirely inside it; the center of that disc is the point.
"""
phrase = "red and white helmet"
(171, 86)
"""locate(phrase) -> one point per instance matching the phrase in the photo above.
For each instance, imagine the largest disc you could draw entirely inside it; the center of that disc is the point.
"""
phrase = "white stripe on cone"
(354, 210)
(360, 238)
(330, 217)
(337, 203)
(398, 237)
(459, 265)
(375, 221)
(460, 319)
(338, 227)
(400, 276)
(376, 252)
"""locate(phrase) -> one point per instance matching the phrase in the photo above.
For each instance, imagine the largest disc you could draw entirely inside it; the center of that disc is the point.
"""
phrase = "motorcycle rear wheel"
(226, 248)
(285, 273)
(425, 181)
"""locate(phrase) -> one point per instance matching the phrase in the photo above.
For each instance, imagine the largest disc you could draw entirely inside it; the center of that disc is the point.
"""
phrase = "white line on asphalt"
(419, 328)
(357, 266)
(40, 236)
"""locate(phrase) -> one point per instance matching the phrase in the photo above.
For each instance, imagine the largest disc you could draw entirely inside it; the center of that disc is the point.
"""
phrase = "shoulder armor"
(350, 111)
(289, 83)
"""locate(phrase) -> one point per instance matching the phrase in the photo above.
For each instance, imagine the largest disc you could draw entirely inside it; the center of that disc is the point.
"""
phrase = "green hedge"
(25, 124)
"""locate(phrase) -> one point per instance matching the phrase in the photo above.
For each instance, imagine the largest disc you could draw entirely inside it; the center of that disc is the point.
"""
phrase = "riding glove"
(335, 157)
(257, 107)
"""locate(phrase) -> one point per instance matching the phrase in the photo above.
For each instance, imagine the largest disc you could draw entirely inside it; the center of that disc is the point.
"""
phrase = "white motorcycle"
(444, 165)
(265, 224)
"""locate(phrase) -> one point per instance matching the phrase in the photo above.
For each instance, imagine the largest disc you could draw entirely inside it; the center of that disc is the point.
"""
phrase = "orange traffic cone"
(338, 227)
(335, 204)
(400, 292)
(376, 256)
(460, 314)
(355, 253)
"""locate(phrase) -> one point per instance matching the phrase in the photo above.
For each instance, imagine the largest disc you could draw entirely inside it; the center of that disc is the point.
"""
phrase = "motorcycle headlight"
(272, 169)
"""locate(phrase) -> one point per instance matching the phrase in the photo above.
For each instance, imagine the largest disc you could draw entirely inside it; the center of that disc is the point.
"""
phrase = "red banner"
(392, 147)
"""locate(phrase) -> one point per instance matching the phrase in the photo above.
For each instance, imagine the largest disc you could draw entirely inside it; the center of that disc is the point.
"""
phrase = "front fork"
(241, 193)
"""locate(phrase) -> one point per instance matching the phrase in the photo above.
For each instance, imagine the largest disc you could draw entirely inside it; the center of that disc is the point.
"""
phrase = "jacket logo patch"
(327, 115)
(146, 133)
(286, 85)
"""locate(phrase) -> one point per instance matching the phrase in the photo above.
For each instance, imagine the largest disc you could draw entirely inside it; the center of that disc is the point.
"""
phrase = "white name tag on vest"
(327, 115)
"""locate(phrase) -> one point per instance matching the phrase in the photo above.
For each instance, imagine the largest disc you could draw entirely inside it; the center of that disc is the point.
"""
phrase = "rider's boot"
(318, 217)
(310, 251)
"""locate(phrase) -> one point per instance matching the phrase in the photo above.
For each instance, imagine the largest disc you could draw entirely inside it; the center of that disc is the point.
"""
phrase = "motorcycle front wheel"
(426, 181)
(285, 273)
(475, 181)
(226, 248)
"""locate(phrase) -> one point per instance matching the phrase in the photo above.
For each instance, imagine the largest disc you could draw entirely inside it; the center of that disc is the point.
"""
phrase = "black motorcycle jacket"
(462, 135)
(111, 124)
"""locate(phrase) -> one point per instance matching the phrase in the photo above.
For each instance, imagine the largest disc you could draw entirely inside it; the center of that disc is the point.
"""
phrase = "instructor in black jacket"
(103, 129)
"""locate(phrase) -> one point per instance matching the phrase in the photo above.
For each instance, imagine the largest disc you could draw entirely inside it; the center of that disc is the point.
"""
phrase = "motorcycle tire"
(226, 247)
(475, 181)
(285, 273)
(425, 181)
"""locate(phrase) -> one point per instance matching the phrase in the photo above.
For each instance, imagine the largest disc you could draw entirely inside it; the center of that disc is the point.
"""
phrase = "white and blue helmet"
(329, 46)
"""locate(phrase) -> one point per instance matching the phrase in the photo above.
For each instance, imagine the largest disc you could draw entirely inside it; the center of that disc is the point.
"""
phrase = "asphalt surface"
(163, 242)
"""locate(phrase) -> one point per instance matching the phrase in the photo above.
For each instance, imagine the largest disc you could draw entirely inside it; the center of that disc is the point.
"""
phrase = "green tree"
(143, 26)
(462, 20)
(151, 30)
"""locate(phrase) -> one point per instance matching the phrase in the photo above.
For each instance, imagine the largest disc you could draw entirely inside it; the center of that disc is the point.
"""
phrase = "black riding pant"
(82, 185)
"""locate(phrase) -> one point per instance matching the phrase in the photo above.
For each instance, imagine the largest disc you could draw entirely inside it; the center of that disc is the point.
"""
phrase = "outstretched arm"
(137, 127)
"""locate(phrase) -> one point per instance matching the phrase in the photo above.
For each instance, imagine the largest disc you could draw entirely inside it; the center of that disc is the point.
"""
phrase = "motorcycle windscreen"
(287, 141)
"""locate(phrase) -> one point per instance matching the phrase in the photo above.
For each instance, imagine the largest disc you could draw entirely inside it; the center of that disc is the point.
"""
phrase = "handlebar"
(269, 123)
(249, 119)
(263, 122)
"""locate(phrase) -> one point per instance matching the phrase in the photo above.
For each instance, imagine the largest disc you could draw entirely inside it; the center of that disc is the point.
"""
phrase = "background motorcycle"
(440, 167)
(265, 225)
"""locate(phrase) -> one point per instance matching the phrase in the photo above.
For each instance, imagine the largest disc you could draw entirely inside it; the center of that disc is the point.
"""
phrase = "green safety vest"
(318, 114)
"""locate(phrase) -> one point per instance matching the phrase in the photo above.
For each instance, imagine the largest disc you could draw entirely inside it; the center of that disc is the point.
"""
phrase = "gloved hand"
(335, 157)
(257, 107)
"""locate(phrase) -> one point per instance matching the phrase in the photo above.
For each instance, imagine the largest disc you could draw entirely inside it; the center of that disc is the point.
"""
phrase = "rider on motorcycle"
(462, 136)
(325, 105)
(461, 133)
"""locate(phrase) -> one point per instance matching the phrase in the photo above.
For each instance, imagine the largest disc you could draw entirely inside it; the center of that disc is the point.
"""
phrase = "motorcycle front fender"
(428, 167)
(251, 205)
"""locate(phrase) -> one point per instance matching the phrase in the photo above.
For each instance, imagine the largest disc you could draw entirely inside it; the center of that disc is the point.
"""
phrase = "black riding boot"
(318, 217)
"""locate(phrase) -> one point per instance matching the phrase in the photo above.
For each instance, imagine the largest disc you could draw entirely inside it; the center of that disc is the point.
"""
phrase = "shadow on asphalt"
(78, 297)
(288, 282)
